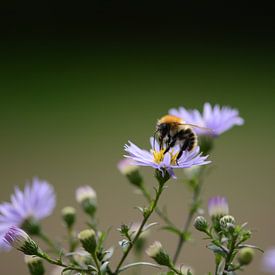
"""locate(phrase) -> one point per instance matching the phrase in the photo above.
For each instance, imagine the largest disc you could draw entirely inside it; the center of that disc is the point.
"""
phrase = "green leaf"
(104, 267)
(125, 267)
(140, 209)
(108, 254)
(217, 250)
(250, 246)
(148, 226)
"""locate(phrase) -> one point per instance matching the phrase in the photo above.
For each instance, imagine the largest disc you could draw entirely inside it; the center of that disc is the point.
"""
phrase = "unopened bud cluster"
(227, 222)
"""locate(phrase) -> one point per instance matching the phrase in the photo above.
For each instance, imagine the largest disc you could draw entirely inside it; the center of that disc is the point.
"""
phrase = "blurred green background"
(69, 104)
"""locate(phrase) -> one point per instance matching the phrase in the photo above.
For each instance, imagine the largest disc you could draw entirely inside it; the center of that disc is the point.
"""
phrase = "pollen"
(173, 157)
(158, 156)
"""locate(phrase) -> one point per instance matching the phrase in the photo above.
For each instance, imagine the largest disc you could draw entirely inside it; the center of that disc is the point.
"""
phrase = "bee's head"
(162, 130)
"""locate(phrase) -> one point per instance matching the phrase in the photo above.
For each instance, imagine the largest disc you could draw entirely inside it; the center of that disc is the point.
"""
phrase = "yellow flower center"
(159, 155)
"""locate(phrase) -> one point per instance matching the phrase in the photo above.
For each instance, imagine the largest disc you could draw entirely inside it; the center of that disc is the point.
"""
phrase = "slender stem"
(59, 263)
(96, 263)
(157, 210)
(192, 211)
(228, 259)
(138, 264)
(146, 217)
(72, 241)
(175, 270)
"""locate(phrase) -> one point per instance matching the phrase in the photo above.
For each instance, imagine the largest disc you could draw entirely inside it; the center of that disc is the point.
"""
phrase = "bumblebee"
(172, 130)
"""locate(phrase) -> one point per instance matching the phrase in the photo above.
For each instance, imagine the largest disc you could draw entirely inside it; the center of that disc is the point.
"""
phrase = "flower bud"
(218, 207)
(128, 168)
(227, 222)
(246, 256)
(35, 265)
(192, 172)
(201, 224)
(20, 240)
(68, 215)
(86, 197)
(157, 252)
(88, 240)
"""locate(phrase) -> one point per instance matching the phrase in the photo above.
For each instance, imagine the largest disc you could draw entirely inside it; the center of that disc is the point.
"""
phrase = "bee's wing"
(199, 127)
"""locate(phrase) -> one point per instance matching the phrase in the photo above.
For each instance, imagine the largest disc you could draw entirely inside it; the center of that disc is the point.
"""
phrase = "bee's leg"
(183, 148)
(171, 144)
(160, 143)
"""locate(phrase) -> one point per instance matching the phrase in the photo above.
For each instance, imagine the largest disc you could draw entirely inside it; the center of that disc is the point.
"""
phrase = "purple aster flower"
(218, 206)
(20, 240)
(268, 261)
(216, 118)
(158, 160)
(35, 202)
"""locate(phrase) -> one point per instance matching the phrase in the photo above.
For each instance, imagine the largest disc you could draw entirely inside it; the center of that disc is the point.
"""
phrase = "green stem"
(229, 259)
(192, 211)
(175, 270)
(145, 219)
(72, 241)
(59, 263)
(158, 211)
(96, 263)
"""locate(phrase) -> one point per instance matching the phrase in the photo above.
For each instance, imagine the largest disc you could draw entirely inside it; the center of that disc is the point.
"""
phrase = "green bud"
(201, 224)
(88, 240)
(68, 215)
(156, 252)
(228, 222)
(124, 229)
(128, 168)
(245, 256)
(35, 265)
(86, 197)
